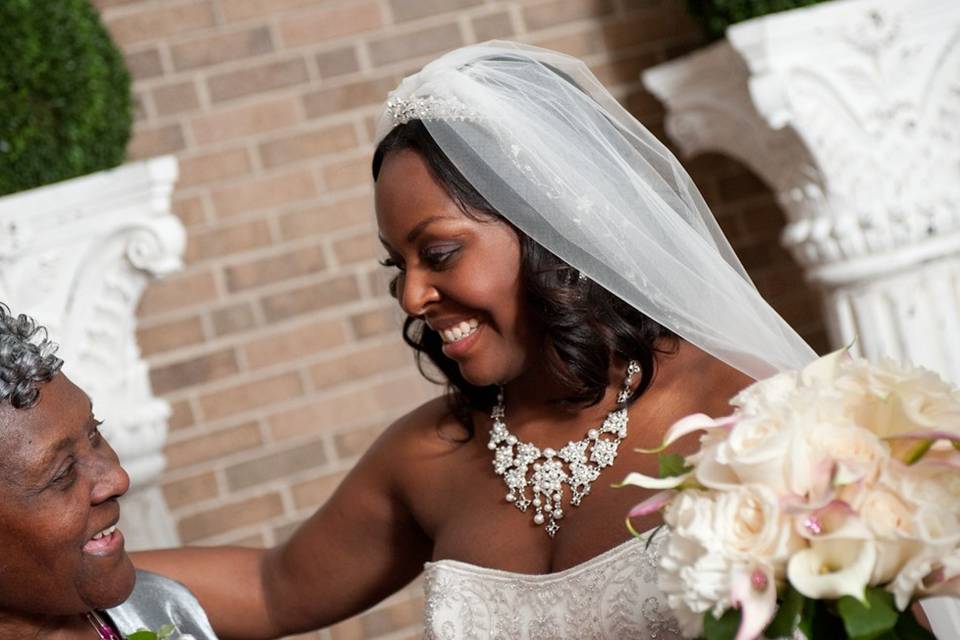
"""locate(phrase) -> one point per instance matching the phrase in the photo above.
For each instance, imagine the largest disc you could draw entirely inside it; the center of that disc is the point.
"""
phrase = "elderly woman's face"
(59, 484)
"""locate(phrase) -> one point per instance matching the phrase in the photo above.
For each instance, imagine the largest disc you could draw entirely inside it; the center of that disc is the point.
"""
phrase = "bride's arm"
(360, 547)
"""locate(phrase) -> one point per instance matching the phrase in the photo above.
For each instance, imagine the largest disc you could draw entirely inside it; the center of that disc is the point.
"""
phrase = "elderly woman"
(64, 569)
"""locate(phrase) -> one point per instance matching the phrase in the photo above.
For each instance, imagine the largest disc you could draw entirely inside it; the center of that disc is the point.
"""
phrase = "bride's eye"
(438, 256)
(391, 263)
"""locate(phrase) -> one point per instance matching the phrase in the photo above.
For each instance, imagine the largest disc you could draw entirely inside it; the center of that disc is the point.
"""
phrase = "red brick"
(275, 465)
(314, 297)
(246, 121)
(265, 192)
(170, 335)
(347, 174)
(212, 445)
(320, 219)
(194, 372)
(495, 25)
(404, 10)
(214, 166)
(275, 268)
(257, 79)
(414, 44)
(225, 47)
(235, 10)
(312, 493)
(233, 319)
(547, 14)
(158, 23)
(250, 395)
(144, 64)
(190, 210)
(181, 415)
(225, 240)
(345, 97)
(324, 24)
(190, 490)
(308, 144)
(294, 344)
(360, 363)
(178, 291)
(358, 248)
(337, 62)
(156, 141)
(175, 98)
(230, 516)
(387, 320)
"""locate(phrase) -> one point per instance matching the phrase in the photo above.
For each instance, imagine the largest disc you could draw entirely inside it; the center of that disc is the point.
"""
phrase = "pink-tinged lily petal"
(755, 594)
(950, 461)
(925, 435)
(648, 482)
(835, 520)
(690, 424)
(653, 504)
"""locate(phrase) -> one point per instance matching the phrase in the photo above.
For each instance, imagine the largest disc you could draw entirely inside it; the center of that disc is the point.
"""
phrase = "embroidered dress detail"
(610, 597)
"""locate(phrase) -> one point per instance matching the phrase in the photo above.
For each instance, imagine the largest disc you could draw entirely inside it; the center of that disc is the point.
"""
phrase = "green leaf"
(806, 618)
(166, 631)
(907, 628)
(871, 621)
(724, 628)
(672, 465)
(142, 634)
(787, 616)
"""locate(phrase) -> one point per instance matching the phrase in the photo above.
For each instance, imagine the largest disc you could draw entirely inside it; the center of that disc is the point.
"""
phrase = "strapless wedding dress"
(611, 596)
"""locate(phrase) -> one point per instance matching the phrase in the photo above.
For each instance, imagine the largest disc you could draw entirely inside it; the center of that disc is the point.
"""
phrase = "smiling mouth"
(104, 542)
(460, 331)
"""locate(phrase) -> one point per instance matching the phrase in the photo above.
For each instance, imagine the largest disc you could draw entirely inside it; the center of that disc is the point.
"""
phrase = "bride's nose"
(417, 292)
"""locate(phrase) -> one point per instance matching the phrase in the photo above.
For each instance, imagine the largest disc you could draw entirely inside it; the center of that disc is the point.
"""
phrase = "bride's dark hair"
(584, 326)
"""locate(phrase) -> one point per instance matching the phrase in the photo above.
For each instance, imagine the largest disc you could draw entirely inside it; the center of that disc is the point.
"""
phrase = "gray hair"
(26, 359)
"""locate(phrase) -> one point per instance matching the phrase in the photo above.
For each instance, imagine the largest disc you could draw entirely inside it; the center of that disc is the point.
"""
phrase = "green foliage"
(717, 15)
(724, 628)
(870, 619)
(672, 464)
(788, 614)
(65, 106)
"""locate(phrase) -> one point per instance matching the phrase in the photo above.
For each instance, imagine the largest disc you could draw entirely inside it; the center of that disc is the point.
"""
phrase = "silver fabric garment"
(157, 601)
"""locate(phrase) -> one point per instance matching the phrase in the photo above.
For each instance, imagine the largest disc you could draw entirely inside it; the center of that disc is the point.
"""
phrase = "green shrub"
(65, 106)
(717, 15)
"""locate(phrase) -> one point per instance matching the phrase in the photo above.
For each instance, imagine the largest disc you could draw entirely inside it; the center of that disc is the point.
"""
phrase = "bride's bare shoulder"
(432, 425)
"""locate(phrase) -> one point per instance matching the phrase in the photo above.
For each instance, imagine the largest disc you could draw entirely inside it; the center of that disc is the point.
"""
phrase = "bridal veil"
(549, 148)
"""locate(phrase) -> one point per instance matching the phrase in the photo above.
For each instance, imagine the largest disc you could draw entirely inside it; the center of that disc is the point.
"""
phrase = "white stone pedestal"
(76, 256)
(850, 111)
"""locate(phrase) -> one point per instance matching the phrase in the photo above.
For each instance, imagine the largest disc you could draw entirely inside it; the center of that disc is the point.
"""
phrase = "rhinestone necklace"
(576, 465)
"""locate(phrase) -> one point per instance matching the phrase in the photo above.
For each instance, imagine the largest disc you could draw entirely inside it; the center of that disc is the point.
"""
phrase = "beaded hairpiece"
(403, 110)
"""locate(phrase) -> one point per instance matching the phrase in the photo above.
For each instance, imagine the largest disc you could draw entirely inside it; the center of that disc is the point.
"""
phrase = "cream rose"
(748, 521)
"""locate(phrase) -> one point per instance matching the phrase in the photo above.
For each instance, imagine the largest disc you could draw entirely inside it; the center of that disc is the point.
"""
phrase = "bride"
(562, 274)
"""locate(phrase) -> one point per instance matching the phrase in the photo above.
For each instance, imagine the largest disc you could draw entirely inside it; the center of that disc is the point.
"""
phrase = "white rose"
(755, 451)
(748, 521)
(887, 515)
(691, 515)
(769, 393)
(859, 452)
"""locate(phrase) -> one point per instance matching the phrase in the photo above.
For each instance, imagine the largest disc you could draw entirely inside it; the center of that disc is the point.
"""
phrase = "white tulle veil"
(550, 149)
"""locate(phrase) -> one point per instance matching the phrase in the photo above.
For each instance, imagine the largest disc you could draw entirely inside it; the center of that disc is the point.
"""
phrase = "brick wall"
(278, 346)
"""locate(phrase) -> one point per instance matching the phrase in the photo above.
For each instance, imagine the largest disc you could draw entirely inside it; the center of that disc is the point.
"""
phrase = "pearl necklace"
(571, 466)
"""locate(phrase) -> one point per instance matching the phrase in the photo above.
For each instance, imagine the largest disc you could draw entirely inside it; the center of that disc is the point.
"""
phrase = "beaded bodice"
(611, 596)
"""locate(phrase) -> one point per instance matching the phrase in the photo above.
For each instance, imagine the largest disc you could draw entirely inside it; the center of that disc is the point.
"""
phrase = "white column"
(850, 112)
(76, 256)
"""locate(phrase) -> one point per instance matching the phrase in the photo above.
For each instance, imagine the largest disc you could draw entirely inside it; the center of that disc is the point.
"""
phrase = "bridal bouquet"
(827, 503)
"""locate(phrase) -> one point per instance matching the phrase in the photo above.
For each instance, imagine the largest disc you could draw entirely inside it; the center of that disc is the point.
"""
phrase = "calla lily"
(755, 593)
(688, 425)
(652, 504)
(831, 569)
(649, 482)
